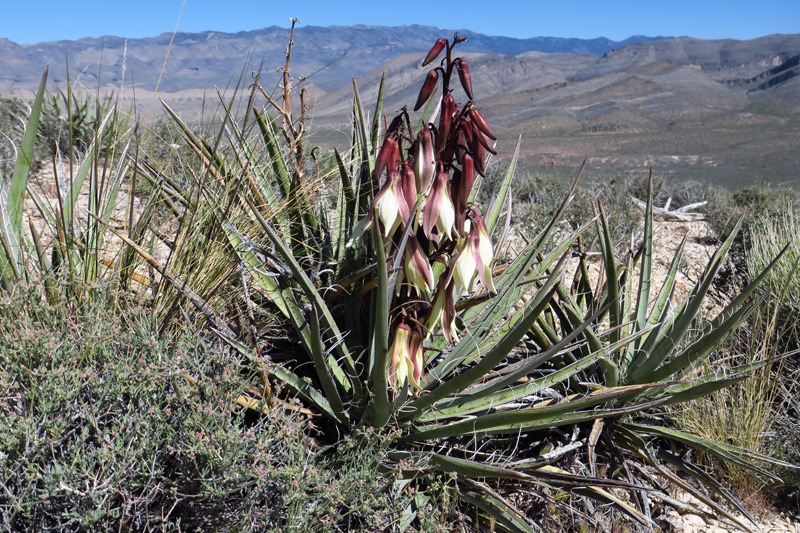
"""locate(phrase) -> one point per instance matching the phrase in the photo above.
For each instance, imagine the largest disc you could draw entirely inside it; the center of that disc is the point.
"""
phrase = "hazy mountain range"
(726, 110)
(209, 59)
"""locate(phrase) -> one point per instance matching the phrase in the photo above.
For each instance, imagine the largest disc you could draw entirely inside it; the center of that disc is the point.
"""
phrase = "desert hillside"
(725, 111)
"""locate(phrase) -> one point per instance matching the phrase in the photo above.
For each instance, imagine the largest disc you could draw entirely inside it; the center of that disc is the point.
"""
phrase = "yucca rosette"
(474, 258)
(405, 358)
(373, 319)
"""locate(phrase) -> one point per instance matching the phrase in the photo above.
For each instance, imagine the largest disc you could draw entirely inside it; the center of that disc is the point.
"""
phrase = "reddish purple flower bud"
(480, 122)
(467, 175)
(388, 157)
(483, 140)
(465, 125)
(479, 158)
(445, 120)
(427, 89)
(461, 146)
(435, 51)
(468, 170)
(408, 183)
(461, 189)
(463, 76)
(424, 161)
(395, 124)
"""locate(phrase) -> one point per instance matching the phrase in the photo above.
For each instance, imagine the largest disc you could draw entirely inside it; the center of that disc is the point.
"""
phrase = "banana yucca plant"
(379, 279)
(69, 122)
(71, 243)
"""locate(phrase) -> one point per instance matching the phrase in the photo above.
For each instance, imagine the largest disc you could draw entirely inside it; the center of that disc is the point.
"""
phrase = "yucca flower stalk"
(432, 172)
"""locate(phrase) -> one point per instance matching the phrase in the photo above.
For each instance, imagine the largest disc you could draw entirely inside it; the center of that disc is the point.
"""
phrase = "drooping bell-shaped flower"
(475, 258)
(417, 270)
(442, 314)
(439, 210)
(485, 252)
(389, 205)
(405, 360)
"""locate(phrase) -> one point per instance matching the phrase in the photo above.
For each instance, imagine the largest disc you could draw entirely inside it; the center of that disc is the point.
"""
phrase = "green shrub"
(756, 201)
(536, 197)
(757, 414)
(768, 235)
(104, 427)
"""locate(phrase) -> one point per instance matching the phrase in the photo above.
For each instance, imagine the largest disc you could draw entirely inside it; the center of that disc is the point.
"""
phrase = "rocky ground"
(769, 520)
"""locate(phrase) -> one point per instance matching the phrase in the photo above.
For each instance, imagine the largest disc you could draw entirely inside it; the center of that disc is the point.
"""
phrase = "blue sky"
(48, 20)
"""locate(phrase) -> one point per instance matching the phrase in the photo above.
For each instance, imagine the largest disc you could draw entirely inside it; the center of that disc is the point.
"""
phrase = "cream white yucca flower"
(442, 314)
(417, 269)
(389, 205)
(405, 358)
(475, 258)
(439, 210)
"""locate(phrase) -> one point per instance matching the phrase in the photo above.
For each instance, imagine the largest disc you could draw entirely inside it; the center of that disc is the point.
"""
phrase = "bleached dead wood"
(682, 214)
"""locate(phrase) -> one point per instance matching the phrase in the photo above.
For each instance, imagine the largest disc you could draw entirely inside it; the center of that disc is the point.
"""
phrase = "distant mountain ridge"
(209, 59)
(724, 110)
